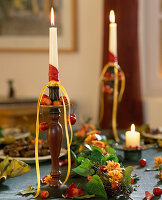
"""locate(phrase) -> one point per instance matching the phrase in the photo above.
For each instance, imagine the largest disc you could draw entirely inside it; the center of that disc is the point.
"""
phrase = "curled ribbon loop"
(116, 97)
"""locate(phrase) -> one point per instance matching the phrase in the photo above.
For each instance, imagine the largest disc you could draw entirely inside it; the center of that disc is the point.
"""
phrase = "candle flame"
(132, 128)
(112, 16)
(52, 17)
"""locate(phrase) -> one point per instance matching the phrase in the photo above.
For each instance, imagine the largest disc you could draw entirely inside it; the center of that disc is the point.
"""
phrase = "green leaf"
(4, 164)
(80, 159)
(17, 168)
(112, 157)
(84, 169)
(127, 175)
(110, 150)
(97, 148)
(96, 156)
(108, 142)
(86, 152)
(96, 187)
(81, 197)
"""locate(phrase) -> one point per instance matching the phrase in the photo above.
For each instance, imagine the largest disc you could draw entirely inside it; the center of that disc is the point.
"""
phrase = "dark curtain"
(130, 109)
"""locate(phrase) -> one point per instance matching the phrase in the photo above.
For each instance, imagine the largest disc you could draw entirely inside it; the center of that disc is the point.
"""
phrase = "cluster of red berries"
(136, 147)
(115, 185)
(44, 125)
(156, 192)
(47, 101)
(109, 75)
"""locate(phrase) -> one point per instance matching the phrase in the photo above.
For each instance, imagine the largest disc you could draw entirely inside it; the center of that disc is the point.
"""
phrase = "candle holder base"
(133, 154)
(55, 192)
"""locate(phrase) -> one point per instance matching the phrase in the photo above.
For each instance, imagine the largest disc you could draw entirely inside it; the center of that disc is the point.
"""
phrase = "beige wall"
(79, 71)
(151, 81)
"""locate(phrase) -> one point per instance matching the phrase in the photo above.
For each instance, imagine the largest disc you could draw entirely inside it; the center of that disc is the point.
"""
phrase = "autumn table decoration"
(106, 177)
(57, 98)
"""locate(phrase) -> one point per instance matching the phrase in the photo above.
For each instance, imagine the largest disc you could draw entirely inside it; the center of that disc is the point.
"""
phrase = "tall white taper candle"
(53, 46)
(112, 34)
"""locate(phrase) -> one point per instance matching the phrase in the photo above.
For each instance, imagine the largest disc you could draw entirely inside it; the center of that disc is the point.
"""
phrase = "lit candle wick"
(112, 16)
(133, 128)
(52, 17)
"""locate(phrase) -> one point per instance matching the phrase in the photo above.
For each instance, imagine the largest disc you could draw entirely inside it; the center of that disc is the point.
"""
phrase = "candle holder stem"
(54, 138)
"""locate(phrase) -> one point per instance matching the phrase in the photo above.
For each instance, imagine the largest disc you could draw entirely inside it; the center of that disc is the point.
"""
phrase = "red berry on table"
(73, 190)
(142, 162)
(115, 185)
(157, 191)
(57, 103)
(43, 126)
(72, 119)
(103, 168)
(132, 180)
(148, 195)
(44, 194)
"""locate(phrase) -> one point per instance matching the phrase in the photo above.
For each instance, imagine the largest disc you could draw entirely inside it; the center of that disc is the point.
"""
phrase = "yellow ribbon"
(53, 83)
(115, 97)
(115, 104)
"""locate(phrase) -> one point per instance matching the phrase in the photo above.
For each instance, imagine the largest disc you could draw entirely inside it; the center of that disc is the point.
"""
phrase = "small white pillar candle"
(132, 137)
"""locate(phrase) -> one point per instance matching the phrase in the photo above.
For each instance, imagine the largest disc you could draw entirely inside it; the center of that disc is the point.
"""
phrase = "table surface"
(10, 188)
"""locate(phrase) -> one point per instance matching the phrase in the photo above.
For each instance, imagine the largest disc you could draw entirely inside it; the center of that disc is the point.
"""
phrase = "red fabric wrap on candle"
(53, 73)
(112, 57)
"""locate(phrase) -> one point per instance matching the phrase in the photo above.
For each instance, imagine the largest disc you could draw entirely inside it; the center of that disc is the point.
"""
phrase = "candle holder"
(133, 154)
(110, 73)
(54, 137)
